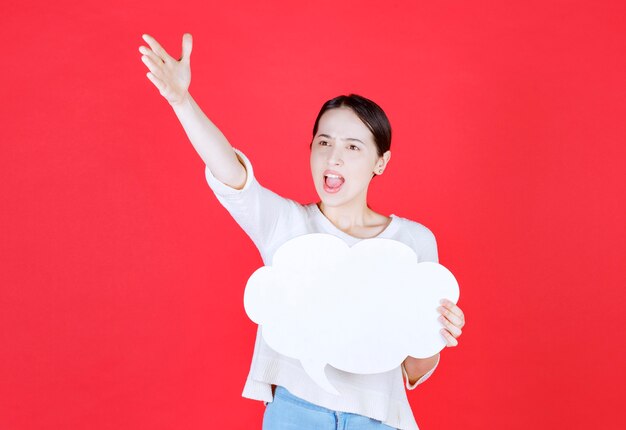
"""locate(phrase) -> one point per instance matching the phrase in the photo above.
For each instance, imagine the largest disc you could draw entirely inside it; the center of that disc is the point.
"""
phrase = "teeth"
(330, 175)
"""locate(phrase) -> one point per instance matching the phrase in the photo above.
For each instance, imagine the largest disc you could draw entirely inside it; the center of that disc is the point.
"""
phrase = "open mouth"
(333, 183)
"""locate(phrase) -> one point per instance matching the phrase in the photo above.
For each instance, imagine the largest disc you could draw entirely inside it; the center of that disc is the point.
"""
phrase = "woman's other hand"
(171, 77)
(453, 319)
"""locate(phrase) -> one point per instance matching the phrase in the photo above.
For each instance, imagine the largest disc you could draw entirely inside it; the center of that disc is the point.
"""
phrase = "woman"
(350, 145)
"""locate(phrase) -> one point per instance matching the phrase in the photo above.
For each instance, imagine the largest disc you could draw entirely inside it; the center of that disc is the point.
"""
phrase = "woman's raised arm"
(172, 78)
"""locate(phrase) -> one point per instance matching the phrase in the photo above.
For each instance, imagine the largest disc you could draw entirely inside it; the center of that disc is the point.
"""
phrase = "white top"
(270, 220)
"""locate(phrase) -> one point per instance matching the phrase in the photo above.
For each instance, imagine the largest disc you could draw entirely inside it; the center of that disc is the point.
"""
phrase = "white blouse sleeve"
(429, 246)
(257, 210)
(420, 380)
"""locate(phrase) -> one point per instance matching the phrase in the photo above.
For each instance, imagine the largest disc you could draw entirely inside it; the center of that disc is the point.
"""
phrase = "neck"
(349, 216)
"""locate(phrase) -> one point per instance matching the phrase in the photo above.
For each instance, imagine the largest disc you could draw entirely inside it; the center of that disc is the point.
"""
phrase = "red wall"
(121, 289)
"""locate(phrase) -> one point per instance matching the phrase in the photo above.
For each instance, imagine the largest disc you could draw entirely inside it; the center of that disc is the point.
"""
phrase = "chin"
(334, 201)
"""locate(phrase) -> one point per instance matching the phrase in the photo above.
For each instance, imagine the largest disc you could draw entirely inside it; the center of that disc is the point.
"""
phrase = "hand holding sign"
(361, 309)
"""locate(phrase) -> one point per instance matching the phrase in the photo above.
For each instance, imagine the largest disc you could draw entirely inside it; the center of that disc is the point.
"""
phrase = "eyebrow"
(347, 138)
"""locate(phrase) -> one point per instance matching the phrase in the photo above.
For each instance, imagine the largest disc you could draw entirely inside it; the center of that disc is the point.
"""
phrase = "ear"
(381, 165)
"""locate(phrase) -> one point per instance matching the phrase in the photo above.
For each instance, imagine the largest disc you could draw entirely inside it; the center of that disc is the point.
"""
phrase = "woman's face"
(344, 147)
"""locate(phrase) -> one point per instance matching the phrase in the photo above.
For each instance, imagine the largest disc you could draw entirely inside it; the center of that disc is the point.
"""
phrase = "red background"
(122, 277)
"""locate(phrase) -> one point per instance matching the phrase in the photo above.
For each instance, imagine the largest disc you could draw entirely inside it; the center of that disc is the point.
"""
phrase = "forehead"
(342, 123)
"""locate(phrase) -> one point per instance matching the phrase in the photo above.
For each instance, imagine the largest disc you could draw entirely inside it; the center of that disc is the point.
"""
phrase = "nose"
(335, 158)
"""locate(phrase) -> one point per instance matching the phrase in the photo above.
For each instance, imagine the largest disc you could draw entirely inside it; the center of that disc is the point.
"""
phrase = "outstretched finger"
(187, 45)
(157, 48)
(157, 82)
(148, 52)
(156, 70)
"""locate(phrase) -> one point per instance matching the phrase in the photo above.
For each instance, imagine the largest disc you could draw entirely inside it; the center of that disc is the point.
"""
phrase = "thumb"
(187, 44)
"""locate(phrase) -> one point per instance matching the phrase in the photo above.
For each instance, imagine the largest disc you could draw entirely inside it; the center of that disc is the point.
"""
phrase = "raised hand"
(171, 77)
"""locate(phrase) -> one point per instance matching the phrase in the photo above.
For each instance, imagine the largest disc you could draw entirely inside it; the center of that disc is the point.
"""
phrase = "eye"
(323, 142)
(354, 146)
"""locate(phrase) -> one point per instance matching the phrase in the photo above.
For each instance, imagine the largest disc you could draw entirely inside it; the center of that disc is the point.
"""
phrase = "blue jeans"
(288, 412)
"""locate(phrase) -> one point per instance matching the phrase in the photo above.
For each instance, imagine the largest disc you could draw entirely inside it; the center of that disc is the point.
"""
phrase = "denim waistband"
(284, 394)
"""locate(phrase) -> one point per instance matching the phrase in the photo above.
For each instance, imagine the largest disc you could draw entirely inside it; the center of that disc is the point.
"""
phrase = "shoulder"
(422, 238)
(419, 230)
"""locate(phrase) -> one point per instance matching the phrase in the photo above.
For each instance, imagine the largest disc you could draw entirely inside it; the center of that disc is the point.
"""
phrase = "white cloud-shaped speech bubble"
(361, 309)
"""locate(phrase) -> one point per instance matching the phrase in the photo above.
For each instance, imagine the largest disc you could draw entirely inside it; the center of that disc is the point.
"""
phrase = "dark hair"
(369, 112)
